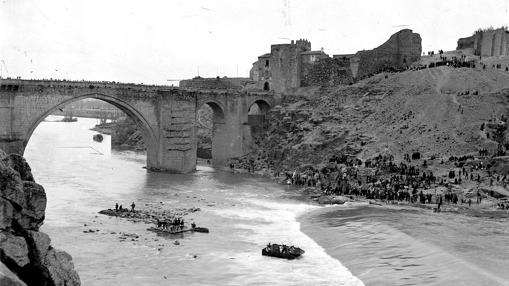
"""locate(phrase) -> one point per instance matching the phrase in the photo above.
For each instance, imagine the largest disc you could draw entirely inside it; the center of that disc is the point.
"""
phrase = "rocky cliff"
(26, 254)
(401, 50)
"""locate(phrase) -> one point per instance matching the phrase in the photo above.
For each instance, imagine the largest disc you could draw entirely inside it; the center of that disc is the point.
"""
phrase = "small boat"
(282, 251)
(98, 137)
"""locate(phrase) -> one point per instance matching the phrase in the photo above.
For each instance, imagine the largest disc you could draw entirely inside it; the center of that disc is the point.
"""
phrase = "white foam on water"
(260, 222)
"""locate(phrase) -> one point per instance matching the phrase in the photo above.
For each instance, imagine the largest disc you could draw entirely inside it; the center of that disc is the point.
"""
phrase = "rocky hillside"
(26, 254)
(435, 111)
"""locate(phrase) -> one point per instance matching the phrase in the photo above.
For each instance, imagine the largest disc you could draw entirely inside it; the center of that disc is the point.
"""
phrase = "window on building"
(266, 86)
(266, 63)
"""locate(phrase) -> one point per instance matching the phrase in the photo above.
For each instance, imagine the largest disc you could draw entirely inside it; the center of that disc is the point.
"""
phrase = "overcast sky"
(155, 41)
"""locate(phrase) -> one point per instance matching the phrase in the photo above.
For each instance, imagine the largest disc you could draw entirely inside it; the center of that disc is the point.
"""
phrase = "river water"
(346, 245)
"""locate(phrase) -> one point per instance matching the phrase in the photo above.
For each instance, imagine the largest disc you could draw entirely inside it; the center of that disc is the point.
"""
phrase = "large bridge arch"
(149, 135)
(130, 111)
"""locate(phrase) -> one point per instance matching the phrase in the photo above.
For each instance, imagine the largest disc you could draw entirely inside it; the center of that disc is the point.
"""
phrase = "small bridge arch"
(257, 112)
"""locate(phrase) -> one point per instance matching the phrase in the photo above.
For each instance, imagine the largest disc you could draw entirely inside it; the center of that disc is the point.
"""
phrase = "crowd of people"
(381, 178)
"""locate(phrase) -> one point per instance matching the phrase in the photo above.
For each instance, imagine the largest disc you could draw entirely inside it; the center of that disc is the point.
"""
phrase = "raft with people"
(282, 251)
(175, 227)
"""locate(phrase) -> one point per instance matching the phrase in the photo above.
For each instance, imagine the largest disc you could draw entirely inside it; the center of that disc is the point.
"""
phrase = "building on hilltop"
(295, 65)
(280, 69)
(486, 43)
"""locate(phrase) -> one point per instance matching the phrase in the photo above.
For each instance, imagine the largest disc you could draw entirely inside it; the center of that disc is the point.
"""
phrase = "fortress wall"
(467, 43)
(486, 43)
(401, 50)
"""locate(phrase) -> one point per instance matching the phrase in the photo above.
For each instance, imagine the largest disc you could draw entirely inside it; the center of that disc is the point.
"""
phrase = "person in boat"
(116, 207)
(132, 207)
(120, 208)
(193, 225)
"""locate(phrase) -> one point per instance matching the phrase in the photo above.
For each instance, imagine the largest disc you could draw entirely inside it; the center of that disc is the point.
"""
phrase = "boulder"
(61, 269)
(6, 214)
(26, 256)
(20, 165)
(14, 249)
(35, 201)
(11, 186)
(7, 278)
(39, 245)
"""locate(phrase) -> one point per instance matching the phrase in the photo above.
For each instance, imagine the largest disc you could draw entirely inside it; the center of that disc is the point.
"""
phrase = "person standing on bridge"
(132, 207)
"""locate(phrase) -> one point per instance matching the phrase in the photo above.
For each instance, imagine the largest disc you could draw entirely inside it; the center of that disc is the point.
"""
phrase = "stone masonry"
(487, 43)
(294, 65)
(166, 116)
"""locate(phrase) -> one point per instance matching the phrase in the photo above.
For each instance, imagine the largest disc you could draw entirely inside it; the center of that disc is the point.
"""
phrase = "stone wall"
(280, 69)
(26, 254)
(401, 50)
(466, 43)
(486, 43)
(284, 65)
(263, 74)
(326, 72)
(215, 83)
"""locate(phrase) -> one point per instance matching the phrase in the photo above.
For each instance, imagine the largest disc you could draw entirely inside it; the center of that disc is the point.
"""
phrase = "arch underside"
(263, 105)
(135, 115)
(217, 132)
(218, 112)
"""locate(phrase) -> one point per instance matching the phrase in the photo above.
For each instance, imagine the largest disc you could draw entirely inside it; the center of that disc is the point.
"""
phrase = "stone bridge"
(166, 115)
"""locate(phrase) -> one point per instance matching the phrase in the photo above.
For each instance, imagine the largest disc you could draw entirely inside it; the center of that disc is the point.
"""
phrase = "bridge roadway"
(166, 115)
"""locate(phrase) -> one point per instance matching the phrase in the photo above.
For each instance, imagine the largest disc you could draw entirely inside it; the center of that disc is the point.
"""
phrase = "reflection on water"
(243, 213)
